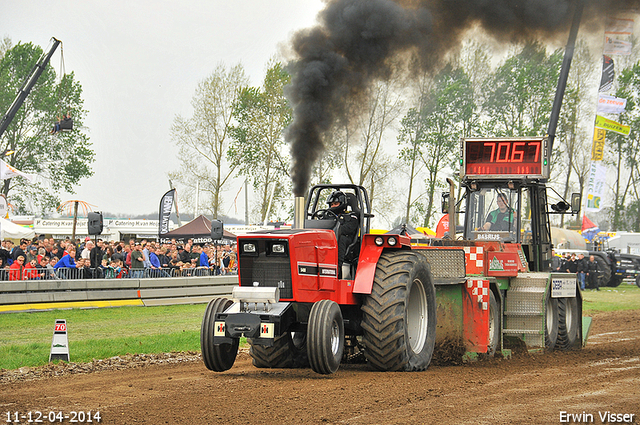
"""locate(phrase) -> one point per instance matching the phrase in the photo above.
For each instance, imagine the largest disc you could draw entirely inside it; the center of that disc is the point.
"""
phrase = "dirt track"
(528, 388)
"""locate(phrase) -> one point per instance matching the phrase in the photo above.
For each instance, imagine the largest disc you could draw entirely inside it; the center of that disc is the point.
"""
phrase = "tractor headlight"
(277, 248)
(379, 241)
(249, 248)
(392, 241)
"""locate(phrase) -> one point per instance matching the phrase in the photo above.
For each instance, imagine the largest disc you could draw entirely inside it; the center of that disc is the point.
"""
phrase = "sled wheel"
(568, 323)
(495, 327)
(551, 323)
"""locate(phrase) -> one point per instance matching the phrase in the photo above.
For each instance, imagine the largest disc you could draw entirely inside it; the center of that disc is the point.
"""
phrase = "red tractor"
(295, 310)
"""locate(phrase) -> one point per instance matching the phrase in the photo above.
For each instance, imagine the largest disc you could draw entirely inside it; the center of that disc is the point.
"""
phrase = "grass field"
(624, 297)
(25, 338)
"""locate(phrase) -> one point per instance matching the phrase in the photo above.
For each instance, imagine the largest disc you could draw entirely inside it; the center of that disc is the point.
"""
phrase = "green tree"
(258, 148)
(626, 153)
(519, 94)
(204, 139)
(59, 160)
(431, 135)
(410, 140)
(475, 60)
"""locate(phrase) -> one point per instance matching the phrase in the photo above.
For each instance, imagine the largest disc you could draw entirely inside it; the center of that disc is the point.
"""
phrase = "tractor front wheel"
(216, 357)
(325, 337)
(399, 316)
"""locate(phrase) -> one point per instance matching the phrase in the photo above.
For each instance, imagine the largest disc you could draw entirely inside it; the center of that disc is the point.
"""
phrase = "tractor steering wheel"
(323, 214)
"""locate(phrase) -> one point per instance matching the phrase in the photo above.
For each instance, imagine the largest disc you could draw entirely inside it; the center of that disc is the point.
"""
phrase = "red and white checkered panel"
(474, 256)
(479, 290)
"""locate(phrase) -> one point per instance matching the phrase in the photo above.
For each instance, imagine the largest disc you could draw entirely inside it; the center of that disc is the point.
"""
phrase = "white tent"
(11, 230)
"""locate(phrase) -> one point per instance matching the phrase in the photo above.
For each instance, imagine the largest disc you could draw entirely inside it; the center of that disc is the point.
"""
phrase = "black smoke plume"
(355, 41)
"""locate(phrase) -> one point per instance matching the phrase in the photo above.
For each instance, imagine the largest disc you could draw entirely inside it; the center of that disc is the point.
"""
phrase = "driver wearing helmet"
(349, 224)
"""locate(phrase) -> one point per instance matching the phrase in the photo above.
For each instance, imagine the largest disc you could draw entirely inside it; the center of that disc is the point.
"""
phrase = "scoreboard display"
(515, 157)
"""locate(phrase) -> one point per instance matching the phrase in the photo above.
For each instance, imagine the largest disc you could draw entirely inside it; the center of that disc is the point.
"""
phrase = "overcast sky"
(139, 63)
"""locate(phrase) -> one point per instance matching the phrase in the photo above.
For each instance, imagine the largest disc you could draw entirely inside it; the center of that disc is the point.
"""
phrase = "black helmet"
(337, 196)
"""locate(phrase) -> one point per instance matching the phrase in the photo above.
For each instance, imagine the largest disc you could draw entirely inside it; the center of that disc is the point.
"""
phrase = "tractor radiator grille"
(267, 271)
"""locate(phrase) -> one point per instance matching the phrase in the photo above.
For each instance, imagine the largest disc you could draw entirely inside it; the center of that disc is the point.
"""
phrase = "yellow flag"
(597, 148)
(607, 124)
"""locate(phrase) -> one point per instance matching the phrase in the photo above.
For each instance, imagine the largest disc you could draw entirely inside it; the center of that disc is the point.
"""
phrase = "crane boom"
(31, 80)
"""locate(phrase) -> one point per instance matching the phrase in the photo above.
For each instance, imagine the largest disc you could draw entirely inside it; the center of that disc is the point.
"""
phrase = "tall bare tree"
(258, 150)
(572, 139)
(430, 135)
(204, 138)
(363, 135)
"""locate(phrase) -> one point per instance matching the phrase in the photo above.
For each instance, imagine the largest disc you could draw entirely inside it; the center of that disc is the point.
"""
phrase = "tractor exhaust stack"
(298, 212)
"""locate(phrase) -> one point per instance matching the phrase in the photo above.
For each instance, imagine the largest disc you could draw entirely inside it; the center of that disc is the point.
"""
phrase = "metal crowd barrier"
(70, 273)
(46, 294)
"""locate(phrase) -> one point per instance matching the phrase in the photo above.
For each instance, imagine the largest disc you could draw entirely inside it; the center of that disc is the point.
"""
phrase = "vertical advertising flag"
(7, 172)
(595, 186)
(611, 104)
(617, 36)
(166, 205)
(608, 74)
(597, 149)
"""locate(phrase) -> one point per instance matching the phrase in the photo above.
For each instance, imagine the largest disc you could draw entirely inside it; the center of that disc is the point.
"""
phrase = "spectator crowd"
(588, 270)
(44, 258)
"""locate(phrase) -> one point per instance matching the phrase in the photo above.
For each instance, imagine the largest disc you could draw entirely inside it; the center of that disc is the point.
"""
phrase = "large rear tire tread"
(325, 337)
(495, 328)
(604, 276)
(285, 353)
(216, 357)
(385, 311)
(568, 327)
(615, 282)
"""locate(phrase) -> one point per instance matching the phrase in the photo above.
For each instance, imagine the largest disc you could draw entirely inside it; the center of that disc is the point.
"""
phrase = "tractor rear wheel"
(551, 322)
(289, 350)
(495, 325)
(568, 323)
(325, 337)
(216, 357)
(604, 275)
(399, 316)
(615, 282)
